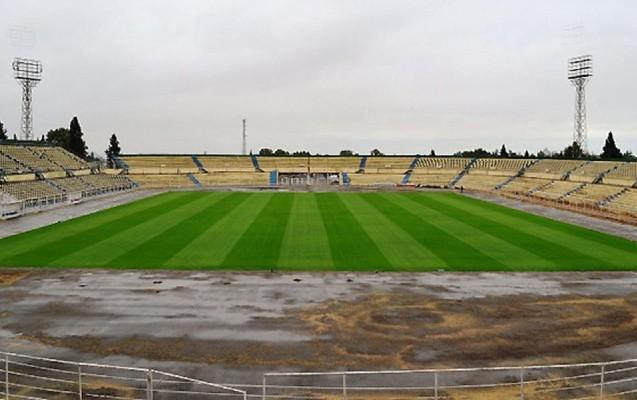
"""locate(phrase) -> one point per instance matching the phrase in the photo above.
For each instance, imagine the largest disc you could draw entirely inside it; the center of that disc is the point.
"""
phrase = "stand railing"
(38, 378)
(605, 380)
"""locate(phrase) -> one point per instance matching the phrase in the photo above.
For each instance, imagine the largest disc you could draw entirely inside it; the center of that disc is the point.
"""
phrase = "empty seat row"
(500, 166)
(388, 164)
(62, 157)
(555, 190)
(30, 159)
(442, 163)
(625, 203)
(30, 190)
(226, 163)
(552, 169)
(593, 194)
(480, 182)
(53, 187)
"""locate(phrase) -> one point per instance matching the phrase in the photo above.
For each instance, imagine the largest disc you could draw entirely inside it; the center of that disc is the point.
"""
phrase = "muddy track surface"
(320, 321)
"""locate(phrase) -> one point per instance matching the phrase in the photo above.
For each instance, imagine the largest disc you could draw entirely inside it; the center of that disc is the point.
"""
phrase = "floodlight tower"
(28, 73)
(580, 70)
(243, 137)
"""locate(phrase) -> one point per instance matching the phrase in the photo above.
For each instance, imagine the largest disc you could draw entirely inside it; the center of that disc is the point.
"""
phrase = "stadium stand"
(152, 164)
(552, 169)
(149, 181)
(226, 163)
(61, 157)
(34, 161)
(233, 178)
(625, 175)
(522, 185)
(592, 172)
(30, 190)
(592, 194)
(499, 166)
(485, 183)
(106, 183)
(284, 164)
(328, 164)
(37, 174)
(366, 179)
(555, 190)
(624, 202)
(87, 185)
(9, 165)
(34, 177)
(437, 171)
(73, 184)
(388, 164)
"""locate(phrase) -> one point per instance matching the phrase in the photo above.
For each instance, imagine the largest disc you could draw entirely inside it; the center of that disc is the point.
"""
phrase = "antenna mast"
(243, 136)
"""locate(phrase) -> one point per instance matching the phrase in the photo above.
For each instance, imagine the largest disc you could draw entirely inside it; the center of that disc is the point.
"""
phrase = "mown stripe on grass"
(260, 246)
(103, 252)
(350, 245)
(524, 250)
(211, 247)
(305, 243)
(154, 252)
(617, 252)
(46, 252)
(29, 240)
(399, 247)
(437, 233)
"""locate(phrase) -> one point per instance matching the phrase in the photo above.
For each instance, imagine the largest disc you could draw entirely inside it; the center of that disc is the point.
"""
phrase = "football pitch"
(317, 232)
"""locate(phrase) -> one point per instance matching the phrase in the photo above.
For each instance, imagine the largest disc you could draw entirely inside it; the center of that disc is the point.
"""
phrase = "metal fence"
(37, 378)
(608, 380)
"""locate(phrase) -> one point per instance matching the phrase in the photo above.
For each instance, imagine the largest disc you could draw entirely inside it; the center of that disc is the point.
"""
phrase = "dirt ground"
(234, 327)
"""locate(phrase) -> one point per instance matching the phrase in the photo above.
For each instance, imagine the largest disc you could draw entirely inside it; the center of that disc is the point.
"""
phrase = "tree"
(479, 152)
(610, 148)
(629, 156)
(281, 152)
(59, 137)
(503, 151)
(77, 145)
(433, 153)
(573, 151)
(526, 154)
(3, 132)
(113, 150)
(376, 153)
(346, 153)
(266, 152)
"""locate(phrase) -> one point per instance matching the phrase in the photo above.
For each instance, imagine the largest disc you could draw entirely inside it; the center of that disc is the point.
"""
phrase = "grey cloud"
(404, 76)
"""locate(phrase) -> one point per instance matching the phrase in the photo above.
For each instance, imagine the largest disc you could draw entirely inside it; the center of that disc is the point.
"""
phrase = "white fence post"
(6, 377)
(149, 384)
(601, 382)
(522, 383)
(436, 385)
(79, 380)
(344, 386)
(263, 388)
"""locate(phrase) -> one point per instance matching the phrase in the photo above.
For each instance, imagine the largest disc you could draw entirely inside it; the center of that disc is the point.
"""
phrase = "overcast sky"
(402, 76)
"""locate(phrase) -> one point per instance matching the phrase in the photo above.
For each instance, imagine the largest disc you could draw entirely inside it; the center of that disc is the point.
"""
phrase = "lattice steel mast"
(580, 70)
(28, 73)
(244, 146)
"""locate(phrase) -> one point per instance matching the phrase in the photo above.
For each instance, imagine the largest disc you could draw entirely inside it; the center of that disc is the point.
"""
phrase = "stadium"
(304, 275)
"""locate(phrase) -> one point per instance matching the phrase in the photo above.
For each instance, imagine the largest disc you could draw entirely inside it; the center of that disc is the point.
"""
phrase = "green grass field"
(317, 231)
